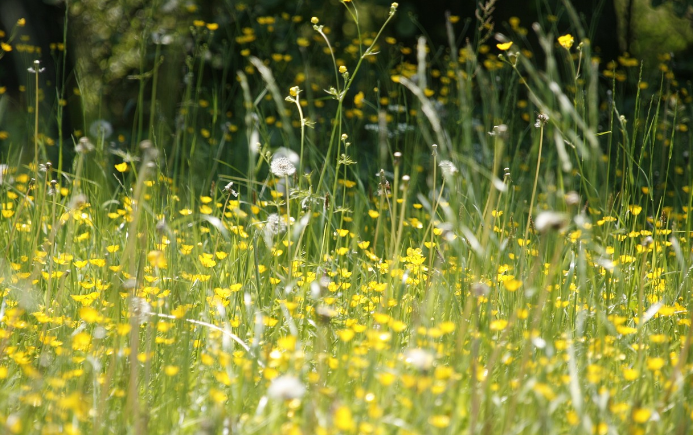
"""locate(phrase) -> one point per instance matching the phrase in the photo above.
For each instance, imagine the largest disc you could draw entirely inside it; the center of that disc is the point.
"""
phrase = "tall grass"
(517, 260)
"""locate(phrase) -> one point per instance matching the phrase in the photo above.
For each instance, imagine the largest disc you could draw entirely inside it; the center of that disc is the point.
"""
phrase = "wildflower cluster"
(300, 291)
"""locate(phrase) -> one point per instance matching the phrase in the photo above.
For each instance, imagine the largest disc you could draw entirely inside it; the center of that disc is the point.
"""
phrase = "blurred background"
(99, 55)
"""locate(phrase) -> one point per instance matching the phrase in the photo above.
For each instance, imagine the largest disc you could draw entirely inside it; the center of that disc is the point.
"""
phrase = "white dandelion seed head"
(419, 359)
(572, 198)
(140, 309)
(542, 119)
(550, 220)
(282, 167)
(447, 167)
(286, 387)
(4, 174)
(499, 130)
(84, 146)
(275, 224)
(100, 128)
(77, 201)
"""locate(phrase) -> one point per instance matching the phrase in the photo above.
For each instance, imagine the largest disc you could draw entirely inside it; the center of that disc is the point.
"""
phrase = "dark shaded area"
(38, 39)
(45, 22)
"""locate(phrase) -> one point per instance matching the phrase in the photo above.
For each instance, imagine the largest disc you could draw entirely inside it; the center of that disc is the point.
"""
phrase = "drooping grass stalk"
(295, 95)
(541, 122)
(251, 134)
(60, 91)
(318, 28)
(155, 79)
(382, 196)
(397, 248)
(395, 202)
(499, 137)
(36, 70)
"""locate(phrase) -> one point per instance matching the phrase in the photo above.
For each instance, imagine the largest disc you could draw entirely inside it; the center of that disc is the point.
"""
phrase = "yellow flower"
(498, 325)
(157, 259)
(123, 329)
(314, 20)
(655, 363)
(345, 334)
(512, 285)
(21, 22)
(641, 415)
(358, 99)
(342, 69)
(504, 46)
(630, 374)
(566, 41)
(212, 26)
(634, 209)
(439, 421)
(89, 315)
(343, 419)
(81, 341)
(5, 47)
(171, 370)
(206, 260)
(179, 311)
(121, 167)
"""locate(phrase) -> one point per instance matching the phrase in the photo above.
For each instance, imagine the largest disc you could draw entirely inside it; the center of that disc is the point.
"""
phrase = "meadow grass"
(369, 238)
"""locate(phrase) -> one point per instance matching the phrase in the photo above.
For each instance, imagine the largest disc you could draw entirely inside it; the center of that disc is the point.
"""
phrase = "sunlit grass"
(391, 240)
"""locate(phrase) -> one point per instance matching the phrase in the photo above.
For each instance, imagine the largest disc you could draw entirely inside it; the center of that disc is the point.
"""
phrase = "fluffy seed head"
(282, 167)
(286, 387)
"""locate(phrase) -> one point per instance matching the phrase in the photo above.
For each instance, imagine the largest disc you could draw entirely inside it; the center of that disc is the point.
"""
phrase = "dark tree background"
(104, 35)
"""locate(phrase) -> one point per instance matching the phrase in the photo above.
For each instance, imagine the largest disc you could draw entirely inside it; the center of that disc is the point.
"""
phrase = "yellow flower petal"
(504, 46)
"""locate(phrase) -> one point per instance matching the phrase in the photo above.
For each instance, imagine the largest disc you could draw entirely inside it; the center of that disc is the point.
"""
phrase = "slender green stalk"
(542, 122)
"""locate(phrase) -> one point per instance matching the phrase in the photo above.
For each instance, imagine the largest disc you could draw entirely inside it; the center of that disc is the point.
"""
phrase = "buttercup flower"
(566, 41)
